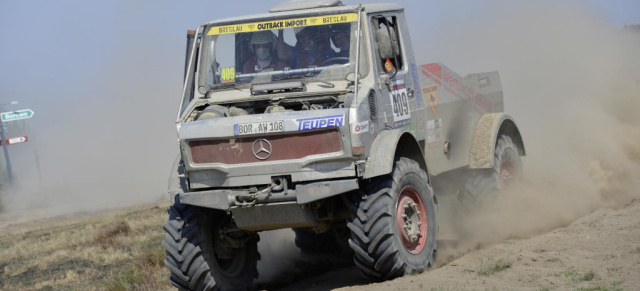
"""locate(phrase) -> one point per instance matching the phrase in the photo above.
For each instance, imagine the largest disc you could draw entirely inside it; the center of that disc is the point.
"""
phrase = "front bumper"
(266, 210)
(226, 199)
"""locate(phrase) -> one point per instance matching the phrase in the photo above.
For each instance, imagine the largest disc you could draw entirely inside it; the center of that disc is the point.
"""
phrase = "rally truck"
(285, 123)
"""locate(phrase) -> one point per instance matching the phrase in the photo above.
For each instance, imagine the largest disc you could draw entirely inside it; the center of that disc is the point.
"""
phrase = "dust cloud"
(571, 80)
(103, 136)
(279, 253)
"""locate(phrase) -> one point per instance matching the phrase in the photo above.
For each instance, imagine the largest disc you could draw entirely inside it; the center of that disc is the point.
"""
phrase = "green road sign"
(16, 115)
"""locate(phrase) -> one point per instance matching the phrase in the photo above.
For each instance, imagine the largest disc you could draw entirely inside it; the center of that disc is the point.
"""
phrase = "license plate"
(259, 127)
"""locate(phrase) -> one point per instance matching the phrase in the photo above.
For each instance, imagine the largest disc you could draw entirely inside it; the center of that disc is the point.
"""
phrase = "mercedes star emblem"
(261, 149)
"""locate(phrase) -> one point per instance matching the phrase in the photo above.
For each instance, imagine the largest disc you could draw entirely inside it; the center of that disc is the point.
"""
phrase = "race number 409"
(228, 75)
(400, 103)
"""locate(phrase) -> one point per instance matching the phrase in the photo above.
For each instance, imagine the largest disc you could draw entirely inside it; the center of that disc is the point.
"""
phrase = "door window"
(389, 53)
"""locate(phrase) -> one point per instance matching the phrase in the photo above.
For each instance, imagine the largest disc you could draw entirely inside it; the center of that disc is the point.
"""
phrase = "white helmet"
(262, 37)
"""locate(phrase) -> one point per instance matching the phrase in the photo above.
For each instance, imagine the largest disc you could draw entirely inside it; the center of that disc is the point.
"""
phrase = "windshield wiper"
(331, 85)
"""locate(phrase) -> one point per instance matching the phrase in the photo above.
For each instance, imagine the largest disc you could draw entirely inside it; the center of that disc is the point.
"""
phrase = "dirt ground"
(600, 251)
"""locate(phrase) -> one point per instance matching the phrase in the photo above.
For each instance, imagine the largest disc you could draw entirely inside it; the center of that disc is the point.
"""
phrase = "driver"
(310, 49)
(264, 59)
(340, 36)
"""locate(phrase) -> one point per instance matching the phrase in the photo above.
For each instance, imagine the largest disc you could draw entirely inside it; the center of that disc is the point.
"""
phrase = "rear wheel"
(310, 242)
(393, 223)
(332, 242)
(485, 185)
(205, 253)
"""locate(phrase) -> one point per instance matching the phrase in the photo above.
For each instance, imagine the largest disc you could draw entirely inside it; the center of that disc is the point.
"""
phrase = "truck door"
(400, 97)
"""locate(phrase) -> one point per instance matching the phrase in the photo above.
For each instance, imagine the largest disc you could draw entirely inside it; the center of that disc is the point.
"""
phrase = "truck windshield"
(318, 48)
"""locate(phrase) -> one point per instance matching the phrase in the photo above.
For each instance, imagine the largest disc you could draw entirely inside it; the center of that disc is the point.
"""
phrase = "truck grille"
(282, 147)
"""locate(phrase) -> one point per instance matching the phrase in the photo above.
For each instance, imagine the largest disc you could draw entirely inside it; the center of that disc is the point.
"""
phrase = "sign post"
(11, 116)
(6, 154)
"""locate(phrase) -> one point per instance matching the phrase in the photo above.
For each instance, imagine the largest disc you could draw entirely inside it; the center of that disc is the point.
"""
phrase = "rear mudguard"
(486, 132)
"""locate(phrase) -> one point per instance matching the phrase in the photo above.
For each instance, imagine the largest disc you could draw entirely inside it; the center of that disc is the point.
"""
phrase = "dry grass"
(108, 238)
(118, 250)
(1, 198)
(489, 268)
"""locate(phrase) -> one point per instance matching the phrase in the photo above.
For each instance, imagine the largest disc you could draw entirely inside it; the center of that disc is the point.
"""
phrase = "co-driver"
(264, 58)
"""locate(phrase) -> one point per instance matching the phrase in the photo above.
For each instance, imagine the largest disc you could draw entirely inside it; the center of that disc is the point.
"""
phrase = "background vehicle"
(344, 150)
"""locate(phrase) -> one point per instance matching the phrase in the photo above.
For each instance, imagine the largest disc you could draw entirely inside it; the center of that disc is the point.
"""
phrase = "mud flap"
(485, 135)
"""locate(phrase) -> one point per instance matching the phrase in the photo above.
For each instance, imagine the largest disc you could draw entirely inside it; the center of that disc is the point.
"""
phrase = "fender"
(402, 144)
(177, 179)
(486, 132)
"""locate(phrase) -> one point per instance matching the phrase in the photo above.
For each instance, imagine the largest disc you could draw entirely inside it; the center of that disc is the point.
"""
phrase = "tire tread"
(377, 251)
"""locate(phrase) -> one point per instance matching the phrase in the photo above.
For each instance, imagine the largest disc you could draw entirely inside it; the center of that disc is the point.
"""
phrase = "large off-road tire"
(201, 257)
(485, 185)
(393, 223)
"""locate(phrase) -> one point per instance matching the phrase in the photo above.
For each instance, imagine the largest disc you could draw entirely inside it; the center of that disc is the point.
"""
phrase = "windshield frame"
(302, 74)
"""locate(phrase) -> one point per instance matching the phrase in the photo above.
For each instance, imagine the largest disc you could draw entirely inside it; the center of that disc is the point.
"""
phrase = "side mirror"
(385, 43)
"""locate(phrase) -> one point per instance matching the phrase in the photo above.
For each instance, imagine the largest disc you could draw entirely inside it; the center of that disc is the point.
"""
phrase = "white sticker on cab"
(360, 127)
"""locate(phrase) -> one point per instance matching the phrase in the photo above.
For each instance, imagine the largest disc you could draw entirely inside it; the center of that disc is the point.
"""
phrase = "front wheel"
(205, 252)
(393, 223)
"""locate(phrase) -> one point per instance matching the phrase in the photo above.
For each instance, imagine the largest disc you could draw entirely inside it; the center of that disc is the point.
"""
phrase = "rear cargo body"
(455, 105)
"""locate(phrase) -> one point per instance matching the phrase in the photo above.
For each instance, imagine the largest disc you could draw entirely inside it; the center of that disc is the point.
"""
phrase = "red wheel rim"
(411, 219)
(507, 174)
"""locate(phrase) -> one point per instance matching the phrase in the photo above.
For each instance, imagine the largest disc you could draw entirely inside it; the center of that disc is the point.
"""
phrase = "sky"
(104, 80)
